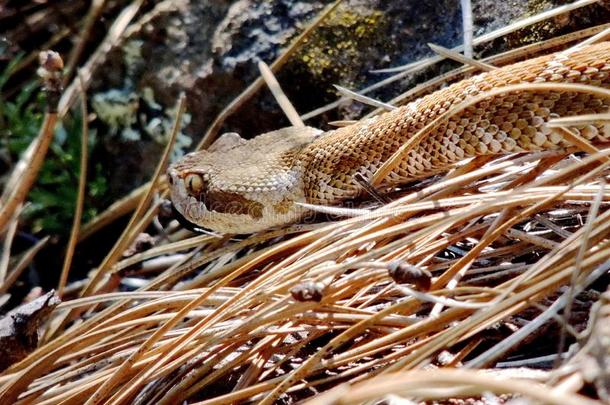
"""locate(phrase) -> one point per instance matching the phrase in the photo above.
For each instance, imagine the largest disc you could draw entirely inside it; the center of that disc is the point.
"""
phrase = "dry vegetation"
(418, 298)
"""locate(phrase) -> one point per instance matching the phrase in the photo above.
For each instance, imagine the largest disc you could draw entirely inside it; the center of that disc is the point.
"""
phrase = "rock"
(210, 49)
(19, 328)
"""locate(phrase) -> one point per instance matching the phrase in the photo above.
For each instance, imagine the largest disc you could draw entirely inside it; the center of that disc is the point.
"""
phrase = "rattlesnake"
(242, 186)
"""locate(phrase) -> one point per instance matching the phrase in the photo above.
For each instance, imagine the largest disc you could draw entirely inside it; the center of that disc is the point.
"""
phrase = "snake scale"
(242, 186)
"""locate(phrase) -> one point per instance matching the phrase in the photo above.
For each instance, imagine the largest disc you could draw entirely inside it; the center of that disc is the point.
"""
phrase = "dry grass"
(227, 311)
(215, 318)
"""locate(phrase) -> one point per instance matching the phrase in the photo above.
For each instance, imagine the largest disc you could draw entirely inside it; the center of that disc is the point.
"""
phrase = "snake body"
(241, 186)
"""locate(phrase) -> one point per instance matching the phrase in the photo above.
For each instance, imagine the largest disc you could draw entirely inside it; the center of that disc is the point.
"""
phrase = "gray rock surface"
(210, 49)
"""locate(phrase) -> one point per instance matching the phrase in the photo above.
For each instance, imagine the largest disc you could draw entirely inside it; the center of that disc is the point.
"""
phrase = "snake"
(243, 186)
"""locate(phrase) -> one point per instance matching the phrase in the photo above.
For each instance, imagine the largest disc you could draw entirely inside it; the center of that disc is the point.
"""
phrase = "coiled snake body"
(241, 186)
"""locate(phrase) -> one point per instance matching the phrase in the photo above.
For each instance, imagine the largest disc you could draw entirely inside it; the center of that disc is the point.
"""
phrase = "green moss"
(536, 32)
(52, 199)
(334, 50)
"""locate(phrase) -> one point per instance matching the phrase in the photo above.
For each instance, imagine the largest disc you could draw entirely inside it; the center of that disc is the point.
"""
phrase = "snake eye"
(194, 184)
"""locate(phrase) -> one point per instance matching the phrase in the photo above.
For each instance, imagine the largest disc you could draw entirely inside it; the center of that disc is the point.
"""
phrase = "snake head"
(242, 186)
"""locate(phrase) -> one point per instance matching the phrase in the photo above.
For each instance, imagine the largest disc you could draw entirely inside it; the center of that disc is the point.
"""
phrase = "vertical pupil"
(194, 185)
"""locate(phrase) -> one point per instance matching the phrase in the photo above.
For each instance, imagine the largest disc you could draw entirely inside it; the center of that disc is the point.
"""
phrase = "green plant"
(52, 199)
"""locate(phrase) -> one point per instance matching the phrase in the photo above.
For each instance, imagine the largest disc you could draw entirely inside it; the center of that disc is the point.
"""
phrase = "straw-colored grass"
(237, 316)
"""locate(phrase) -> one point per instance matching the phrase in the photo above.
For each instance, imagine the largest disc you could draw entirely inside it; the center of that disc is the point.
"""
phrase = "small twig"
(338, 211)
(532, 362)
(584, 244)
(22, 265)
(552, 226)
(456, 272)
(559, 319)
(94, 11)
(8, 242)
(424, 384)
(576, 120)
(592, 40)
(279, 95)
(533, 239)
(30, 164)
(447, 302)
(119, 208)
(458, 57)
(82, 182)
(577, 140)
(514, 339)
(341, 123)
(467, 27)
(366, 185)
(363, 99)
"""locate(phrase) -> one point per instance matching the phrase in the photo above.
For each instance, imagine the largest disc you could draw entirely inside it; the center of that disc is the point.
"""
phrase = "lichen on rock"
(334, 50)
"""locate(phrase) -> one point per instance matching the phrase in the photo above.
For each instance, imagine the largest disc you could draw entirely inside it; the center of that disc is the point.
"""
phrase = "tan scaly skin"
(240, 186)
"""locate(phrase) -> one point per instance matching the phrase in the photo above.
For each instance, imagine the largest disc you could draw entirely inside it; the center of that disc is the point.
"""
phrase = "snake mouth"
(188, 224)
